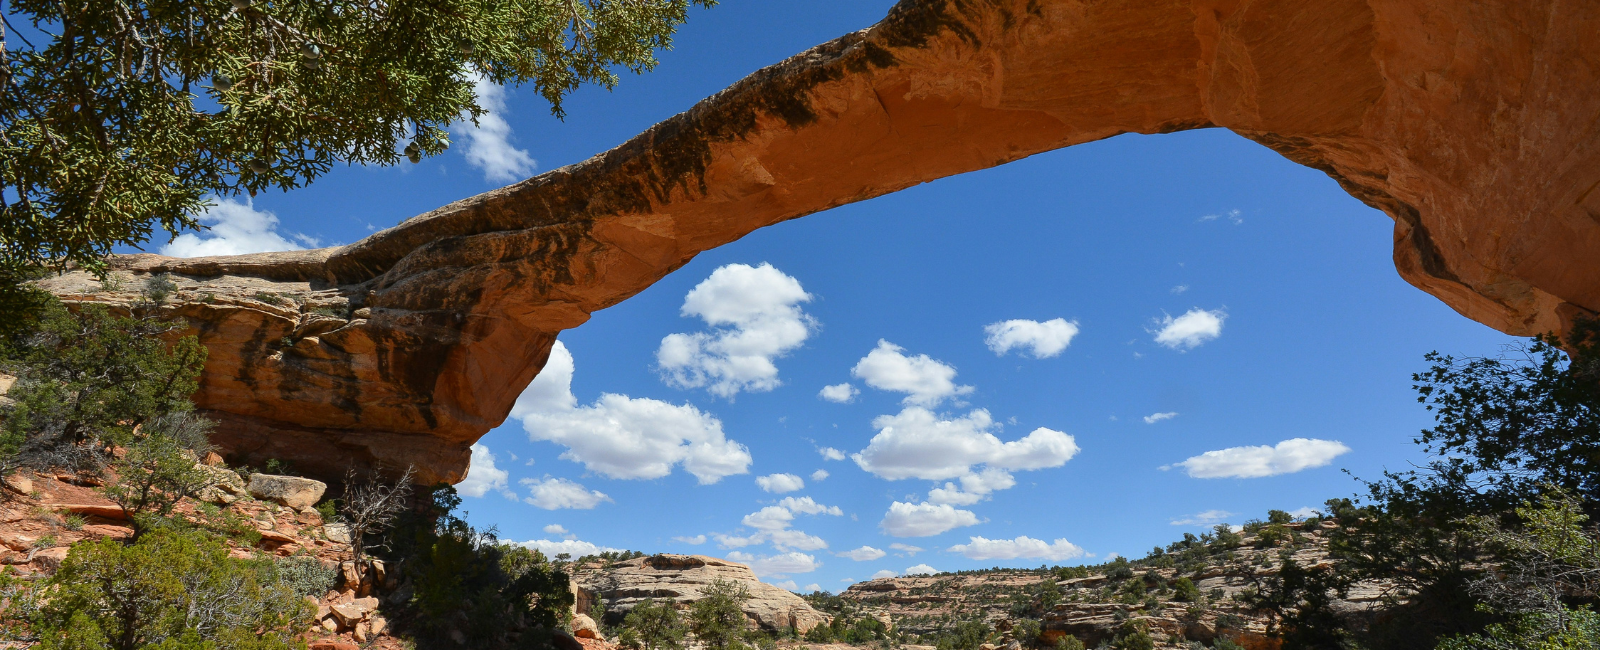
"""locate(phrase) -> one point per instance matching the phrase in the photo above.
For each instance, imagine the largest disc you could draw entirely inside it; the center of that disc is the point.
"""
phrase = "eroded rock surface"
(1473, 125)
(611, 590)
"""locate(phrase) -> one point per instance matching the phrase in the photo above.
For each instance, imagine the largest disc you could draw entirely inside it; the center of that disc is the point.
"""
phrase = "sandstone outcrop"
(1471, 124)
(611, 590)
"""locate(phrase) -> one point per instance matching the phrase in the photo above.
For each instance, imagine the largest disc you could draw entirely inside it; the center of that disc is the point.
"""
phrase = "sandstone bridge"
(1474, 125)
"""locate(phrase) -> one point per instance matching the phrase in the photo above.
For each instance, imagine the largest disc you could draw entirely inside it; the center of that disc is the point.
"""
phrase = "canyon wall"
(1473, 125)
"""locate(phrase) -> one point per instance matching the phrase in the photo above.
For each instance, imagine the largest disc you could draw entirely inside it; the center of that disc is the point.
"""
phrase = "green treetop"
(119, 116)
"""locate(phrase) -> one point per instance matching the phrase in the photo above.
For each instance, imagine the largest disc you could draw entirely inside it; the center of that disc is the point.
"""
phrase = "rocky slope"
(1471, 124)
(1094, 607)
(42, 515)
(608, 590)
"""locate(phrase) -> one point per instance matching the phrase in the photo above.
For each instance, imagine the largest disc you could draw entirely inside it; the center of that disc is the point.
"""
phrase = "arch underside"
(1473, 125)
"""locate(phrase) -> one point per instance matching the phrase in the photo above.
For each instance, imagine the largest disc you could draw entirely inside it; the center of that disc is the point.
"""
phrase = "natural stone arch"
(1473, 125)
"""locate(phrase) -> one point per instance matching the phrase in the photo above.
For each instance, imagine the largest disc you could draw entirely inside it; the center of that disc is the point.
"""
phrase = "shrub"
(1069, 642)
(655, 626)
(85, 381)
(1183, 590)
(465, 580)
(1279, 517)
(172, 588)
(718, 617)
(159, 467)
(307, 576)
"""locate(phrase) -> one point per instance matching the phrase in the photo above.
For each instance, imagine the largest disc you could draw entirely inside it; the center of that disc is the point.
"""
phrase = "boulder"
(291, 491)
(681, 579)
(336, 533)
(226, 485)
(19, 484)
(1470, 124)
(584, 627)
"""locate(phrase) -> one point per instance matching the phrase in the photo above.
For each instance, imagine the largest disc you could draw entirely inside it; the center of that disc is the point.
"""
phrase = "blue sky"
(1211, 296)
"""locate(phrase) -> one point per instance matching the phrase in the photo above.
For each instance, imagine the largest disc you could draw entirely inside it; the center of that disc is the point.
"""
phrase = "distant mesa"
(1467, 123)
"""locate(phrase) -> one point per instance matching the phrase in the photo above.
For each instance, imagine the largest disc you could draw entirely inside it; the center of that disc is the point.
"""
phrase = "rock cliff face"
(1471, 124)
(610, 591)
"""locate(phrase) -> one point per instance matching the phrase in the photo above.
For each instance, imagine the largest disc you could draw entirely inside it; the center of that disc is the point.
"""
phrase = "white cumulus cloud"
(1188, 331)
(780, 483)
(1206, 518)
(1157, 417)
(1305, 512)
(863, 554)
(924, 519)
(829, 453)
(489, 142)
(777, 566)
(693, 541)
(556, 529)
(921, 570)
(756, 317)
(559, 493)
(925, 380)
(623, 437)
(576, 548)
(840, 393)
(1041, 340)
(884, 573)
(771, 526)
(918, 443)
(1285, 457)
(235, 228)
(483, 476)
(819, 475)
(906, 550)
(980, 548)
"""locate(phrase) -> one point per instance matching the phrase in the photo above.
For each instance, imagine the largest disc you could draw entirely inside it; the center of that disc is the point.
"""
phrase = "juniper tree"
(121, 116)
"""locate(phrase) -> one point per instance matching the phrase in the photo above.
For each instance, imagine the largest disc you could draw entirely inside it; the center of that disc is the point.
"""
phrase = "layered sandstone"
(1473, 125)
(610, 590)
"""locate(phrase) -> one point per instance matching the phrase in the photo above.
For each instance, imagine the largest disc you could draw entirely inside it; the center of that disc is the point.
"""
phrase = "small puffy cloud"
(771, 525)
(1180, 289)
(921, 570)
(924, 519)
(780, 483)
(1157, 417)
(234, 228)
(924, 380)
(1206, 518)
(841, 393)
(917, 443)
(692, 541)
(489, 141)
(559, 493)
(979, 548)
(806, 506)
(819, 475)
(483, 476)
(829, 453)
(863, 554)
(556, 529)
(1286, 457)
(623, 437)
(574, 547)
(1188, 331)
(1306, 512)
(756, 318)
(1041, 340)
(905, 550)
(777, 566)
(884, 573)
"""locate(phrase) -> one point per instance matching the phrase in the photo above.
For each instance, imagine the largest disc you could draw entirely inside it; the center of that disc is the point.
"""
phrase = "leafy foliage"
(655, 626)
(133, 113)
(717, 619)
(158, 468)
(86, 381)
(171, 589)
(464, 579)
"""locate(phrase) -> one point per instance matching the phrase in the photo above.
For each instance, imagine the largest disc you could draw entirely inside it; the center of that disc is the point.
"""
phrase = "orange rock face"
(1473, 125)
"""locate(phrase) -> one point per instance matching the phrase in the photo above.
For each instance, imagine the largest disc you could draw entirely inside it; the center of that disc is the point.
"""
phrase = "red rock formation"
(1473, 125)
